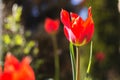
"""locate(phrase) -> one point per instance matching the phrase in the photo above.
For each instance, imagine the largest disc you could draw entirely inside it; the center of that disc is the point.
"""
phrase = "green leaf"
(36, 50)
(38, 63)
(26, 50)
(31, 44)
(16, 10)
(18, 40)
(27, 33)
(72, 56)
(7, 26)
(6, 39)
(18, 14)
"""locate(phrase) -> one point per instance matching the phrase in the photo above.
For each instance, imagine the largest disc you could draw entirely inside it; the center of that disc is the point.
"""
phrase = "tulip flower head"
(15, 70)
(0, 72)
(51, 26)
(77, 30)
(100, 56)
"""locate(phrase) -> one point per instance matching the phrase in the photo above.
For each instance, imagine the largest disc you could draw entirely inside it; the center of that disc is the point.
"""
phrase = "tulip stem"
(56, 57)
(77, 63)
(90, 61)
(72, 57)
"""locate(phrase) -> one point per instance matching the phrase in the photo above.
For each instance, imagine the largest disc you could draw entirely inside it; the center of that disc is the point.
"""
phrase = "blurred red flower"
(77, 30)
(51, 26)
(15, 70)
(100, 56)
(0, 72)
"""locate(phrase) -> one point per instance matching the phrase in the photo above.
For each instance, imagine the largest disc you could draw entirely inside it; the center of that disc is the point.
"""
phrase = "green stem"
(90, 61)
(72, 57)
(56, 57)
(77, 63)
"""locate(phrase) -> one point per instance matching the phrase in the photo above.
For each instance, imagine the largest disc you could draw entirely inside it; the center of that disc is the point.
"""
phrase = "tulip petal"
(0, 72)
(6, 76)
(78, 29)
(89, 25)
(90, 32)
(73, 17)
(65, 18)
(11, 63)
(15, 70)
(26, 71)
(26, 60)
(89, 20)
(69, 34)
(89, 11)
(51, 26)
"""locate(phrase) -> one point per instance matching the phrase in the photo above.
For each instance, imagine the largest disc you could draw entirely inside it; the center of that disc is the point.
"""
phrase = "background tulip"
(15, 70)
(51, 26)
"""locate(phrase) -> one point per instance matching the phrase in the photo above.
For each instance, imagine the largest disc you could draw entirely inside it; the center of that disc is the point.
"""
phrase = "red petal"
(15, 70)
(11, 63)
(100, 56)
(6, 76)
(89, 20)
(89, 32)
(65, 18)
(89, 25)
(51, 26)
(89, 11)
(26, 60)
(0, 73)
(78, 29)
(69, 34)
(25, 72)
(73, 16)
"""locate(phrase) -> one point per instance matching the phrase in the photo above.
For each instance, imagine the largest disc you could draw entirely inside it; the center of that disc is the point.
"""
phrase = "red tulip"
(15, 70)
(51, 26)
(77, 30)
(0, 72)
(100, 56)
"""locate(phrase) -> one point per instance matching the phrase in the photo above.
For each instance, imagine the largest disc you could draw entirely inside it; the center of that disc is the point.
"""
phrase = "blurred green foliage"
(15, 39)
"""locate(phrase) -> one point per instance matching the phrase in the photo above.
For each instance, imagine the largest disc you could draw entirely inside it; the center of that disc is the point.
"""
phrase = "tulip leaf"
(72, 56)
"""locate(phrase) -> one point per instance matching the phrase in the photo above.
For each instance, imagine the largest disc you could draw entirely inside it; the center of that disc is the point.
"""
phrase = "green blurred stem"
(56, 57)
(72, 57)
(77, 63)
(90, 61)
